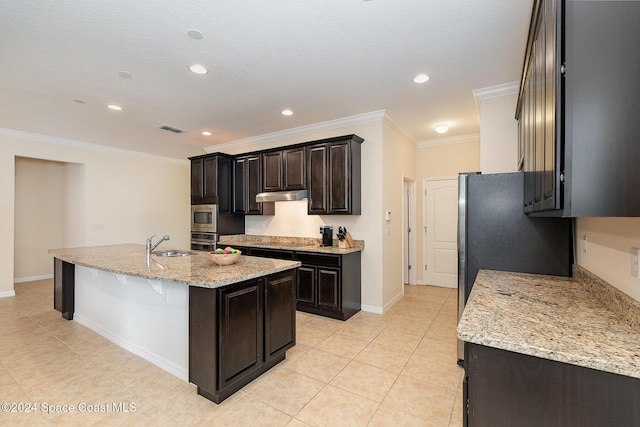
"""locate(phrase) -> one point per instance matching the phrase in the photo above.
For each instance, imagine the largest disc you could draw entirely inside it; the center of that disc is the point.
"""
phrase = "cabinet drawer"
(271, 253)
(318, 259)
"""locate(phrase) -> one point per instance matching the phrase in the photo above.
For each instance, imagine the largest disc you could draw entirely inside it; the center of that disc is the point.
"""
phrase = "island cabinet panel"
(238, 332)
(63, 287)
(240, 326)
(280, 314)
(504, 388)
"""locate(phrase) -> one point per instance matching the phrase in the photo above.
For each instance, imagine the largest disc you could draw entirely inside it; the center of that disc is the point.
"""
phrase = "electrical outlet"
(634, 262)
(584, 244)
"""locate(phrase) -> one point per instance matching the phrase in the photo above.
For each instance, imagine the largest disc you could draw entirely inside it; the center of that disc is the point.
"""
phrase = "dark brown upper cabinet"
(577, 110)
(334, 176)
(329, 169)
(211, 181)
(247, 183)
(284, 169)
(272, 168)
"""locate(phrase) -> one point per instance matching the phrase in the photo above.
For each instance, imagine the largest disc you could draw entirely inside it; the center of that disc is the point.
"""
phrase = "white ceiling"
(324, 59)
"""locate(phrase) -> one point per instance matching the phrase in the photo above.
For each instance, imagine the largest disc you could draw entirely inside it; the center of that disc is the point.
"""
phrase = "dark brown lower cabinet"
(504, 388)
(329, 285)
(238, 332)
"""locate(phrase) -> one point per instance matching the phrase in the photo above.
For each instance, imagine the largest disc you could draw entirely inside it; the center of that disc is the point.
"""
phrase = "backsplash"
(615, 300)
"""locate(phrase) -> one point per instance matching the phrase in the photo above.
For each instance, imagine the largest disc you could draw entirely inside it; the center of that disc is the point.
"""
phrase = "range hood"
(281, 196)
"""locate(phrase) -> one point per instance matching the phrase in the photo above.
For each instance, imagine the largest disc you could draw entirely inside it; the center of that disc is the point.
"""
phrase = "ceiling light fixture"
(206, 133)
(287, 112)
(125, 74)
(198, 69)
(114, 107)
(442, 128)
(195, 34)
(421, 78)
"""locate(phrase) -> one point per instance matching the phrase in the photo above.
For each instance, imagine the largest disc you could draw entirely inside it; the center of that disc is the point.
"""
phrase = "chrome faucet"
(151, 246)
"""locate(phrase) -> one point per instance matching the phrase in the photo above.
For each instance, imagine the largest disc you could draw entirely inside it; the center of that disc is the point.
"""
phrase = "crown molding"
(393, 125)
(46, 139)
(449, 141)
(374, 116)
(496, 91)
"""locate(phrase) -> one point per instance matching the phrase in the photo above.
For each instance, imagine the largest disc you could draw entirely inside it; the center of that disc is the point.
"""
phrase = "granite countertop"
(195, 270)
(300, 244)
(580, 320)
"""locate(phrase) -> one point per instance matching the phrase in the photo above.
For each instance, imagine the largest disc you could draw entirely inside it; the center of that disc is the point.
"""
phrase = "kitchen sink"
(172, 253)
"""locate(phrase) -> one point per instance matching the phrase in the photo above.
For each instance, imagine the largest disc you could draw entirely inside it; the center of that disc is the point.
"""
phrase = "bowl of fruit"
(226, 256)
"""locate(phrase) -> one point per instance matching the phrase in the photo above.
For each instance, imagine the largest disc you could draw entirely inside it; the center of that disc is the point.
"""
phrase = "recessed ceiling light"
(442, 128)
(195, 34)
(287, 112)
(206, 133)
(79, 101)
(114, 107)
(421, 78)
(125, 74)
(198, 69)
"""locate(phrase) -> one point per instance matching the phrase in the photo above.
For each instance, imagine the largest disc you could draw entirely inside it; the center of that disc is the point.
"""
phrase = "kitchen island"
(552, 351)
(218, 327)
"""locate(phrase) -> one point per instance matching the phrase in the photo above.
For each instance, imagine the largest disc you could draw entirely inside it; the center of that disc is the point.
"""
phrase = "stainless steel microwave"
(204, 218)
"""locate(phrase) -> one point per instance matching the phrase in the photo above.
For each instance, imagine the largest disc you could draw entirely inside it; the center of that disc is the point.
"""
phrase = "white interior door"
(441, 231)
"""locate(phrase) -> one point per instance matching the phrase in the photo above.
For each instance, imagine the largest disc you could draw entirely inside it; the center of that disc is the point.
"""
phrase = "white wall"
(608, 243)
(498, 134)
(399, 162)
(126, 196)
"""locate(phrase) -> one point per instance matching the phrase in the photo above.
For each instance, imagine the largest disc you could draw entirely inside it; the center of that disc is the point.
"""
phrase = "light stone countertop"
(195, 270)
(300, 244)
(557, 318)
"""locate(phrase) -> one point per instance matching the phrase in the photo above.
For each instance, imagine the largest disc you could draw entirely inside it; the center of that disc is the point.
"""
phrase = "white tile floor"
(396, 369)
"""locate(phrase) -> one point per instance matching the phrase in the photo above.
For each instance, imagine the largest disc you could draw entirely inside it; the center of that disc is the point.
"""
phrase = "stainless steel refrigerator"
(494, 233)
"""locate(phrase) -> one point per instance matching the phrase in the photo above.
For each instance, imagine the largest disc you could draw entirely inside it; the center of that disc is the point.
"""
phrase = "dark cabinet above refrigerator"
(578, 109)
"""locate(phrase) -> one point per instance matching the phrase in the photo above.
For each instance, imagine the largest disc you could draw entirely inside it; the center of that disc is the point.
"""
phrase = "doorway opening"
(48, 213)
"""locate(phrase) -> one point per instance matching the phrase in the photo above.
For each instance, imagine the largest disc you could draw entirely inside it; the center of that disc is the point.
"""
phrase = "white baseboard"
(159, 361)
(391, 303)
(7, 294)
(32, 278)
(372, 309)
(381, 310)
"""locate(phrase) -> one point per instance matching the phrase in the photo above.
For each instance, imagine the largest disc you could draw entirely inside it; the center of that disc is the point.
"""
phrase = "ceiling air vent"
(171, 129)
